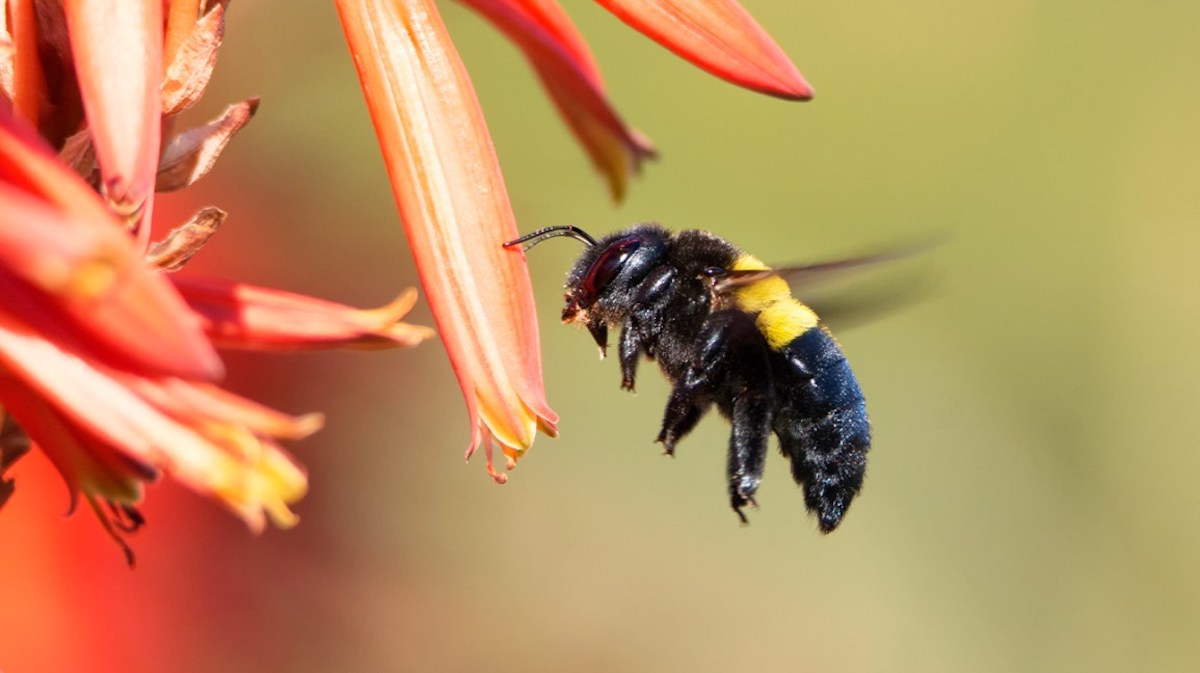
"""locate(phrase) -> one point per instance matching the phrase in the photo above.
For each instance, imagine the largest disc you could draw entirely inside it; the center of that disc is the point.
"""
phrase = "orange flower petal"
(29, 163)
(456, 214)
(718, 36)
(117, 48)
(562, 60)
(238, 315)
(79, 274)
(202, 444)
(85, 465)
(28, 82)
(191, 400)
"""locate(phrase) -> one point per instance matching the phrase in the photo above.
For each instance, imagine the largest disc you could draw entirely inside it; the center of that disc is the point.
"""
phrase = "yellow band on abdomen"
(780, 316)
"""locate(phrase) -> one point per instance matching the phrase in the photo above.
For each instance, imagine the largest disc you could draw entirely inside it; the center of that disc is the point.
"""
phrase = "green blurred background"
(1031, 502)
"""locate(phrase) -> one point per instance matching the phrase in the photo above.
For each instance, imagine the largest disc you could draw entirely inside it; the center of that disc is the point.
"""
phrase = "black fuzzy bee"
(726, 330)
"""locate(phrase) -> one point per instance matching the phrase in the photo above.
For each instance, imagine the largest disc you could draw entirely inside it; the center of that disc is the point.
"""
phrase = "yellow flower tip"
(397, 308)
(388, 319)
(512, 434)
(511, 454)
(286, 481)
(307, 425)
(260, 488)
(410, 335)
(281, 516)
(401, 334)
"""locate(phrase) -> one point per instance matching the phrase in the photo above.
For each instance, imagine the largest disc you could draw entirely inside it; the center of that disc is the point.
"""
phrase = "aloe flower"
(107, 364)
(447, 183)
(104, 365)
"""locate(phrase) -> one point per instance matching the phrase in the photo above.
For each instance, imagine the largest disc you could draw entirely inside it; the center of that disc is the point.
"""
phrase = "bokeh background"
(1031, 503)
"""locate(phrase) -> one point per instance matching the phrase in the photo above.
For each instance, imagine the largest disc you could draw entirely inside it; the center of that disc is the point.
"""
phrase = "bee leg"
(733, 366)
(629, 350)
(693, 392)
(685, 408)
(651, 297)
(751, 419)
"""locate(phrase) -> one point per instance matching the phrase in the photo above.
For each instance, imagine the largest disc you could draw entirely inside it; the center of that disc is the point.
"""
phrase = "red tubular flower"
(65, 255)
(104, 364)
(107, 430)
(117, 51)
(237, 315)
(563, 62)
(100, 358)
(719, 36)
(456, 214)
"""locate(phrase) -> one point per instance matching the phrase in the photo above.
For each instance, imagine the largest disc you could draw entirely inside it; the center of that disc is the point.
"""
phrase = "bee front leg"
(629, 351)
(651, 298)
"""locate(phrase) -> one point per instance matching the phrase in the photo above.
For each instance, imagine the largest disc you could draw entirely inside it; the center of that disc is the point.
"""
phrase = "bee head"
(600, 287)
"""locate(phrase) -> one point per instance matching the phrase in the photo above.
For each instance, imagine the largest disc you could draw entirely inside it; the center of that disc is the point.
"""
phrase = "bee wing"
(844, 308)
(799, 276)
(839, 307)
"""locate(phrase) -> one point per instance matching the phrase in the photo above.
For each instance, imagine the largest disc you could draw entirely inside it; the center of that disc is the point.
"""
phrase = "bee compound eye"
(608, 265)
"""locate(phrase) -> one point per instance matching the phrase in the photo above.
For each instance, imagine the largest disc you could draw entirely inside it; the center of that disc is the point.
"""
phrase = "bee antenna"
(529, 240)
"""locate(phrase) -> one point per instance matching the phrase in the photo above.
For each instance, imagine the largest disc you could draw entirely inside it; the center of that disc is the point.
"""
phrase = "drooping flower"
(456, 214)
(446, 178)
(557, 52)
(720, 37)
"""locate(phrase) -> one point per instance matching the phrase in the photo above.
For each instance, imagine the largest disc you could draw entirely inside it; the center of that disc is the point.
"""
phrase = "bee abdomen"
(822, 425)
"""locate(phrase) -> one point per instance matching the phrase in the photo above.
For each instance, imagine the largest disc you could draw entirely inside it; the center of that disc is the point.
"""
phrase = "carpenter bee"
(726, 330)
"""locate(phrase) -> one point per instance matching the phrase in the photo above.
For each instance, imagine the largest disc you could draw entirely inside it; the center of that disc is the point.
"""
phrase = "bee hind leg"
(750, 415)
(730, 366)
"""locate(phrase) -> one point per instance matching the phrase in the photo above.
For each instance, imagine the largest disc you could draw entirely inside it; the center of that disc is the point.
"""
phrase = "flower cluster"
(107, 359)
(107, 363)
